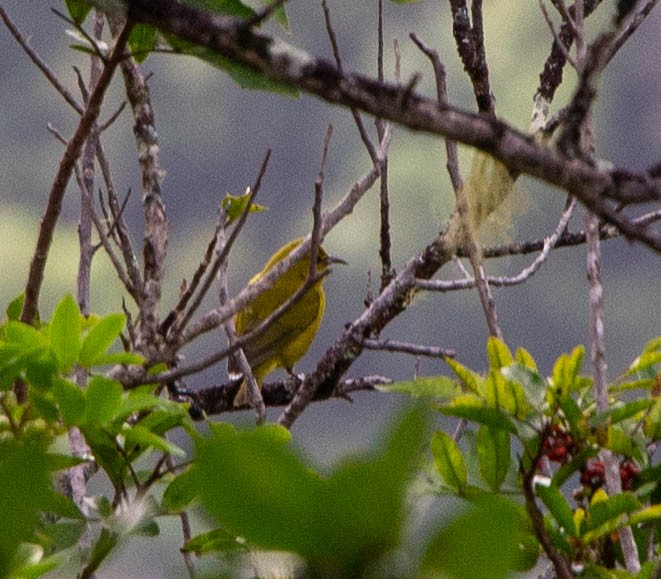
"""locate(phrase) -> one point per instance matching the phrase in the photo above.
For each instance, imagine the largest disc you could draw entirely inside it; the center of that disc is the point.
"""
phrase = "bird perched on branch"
(289, 336)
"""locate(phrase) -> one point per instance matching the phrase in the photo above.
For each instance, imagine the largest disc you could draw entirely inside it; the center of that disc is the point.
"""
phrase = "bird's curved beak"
(331, 259)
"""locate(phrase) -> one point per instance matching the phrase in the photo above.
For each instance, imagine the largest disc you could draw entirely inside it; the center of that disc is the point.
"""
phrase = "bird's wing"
(276, 341)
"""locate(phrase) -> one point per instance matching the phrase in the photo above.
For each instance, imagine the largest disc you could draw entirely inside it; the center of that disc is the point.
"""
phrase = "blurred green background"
(213, 136)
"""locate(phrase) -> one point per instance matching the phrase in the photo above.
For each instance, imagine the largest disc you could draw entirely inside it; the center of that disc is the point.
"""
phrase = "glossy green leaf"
(142, 41)
(181, 491)
(138, 435)
(558, 506)
(15, 308)
(566, 371)
(652, 424)
(473, 409)
(619, 441)
(100, 338)
(649, 358)
(70, 399)
(64, 330)
(606, 515)
(471, 380)
(533, 384)
(523, 357)
(246, 77)
(437, 387)
(235, 205)
(449, 461)
(493, 451)
(141, 401)
(103, 399)
(24, 338)
(646, 515)
(621, 412)
(498, 354)
(78, 10)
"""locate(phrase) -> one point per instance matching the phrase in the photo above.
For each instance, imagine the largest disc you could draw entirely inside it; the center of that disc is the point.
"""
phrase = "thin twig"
(503, 281)
(220, 258)
(74, 147)
(239, 356)
(560, 564)
(452, 163)
(408, 348)
(362, 131)
(242, 340)
(40, 63)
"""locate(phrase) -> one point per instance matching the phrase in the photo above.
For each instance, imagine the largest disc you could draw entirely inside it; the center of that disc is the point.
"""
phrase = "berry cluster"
(593, 474)
(558, 445)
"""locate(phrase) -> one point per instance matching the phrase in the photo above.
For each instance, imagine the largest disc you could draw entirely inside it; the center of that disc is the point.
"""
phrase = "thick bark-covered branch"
(596, 187)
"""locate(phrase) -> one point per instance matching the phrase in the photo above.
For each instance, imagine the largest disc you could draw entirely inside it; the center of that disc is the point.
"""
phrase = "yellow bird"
(287, 340)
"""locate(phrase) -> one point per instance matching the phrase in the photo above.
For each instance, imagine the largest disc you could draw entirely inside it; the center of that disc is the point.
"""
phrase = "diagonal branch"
(595, 186)
(56, 195)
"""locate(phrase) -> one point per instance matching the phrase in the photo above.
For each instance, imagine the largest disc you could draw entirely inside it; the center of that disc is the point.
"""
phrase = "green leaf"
(235, 205)
(472, 408)
(62, 461)
(438, 387)
(276, 500)
(142, 41)
(100, 338)
(506, 395)
(27, 569)
(449, 461)
(181, 491)
(127, 358)
(471, 380)
(524, 358)
(488, 541)
(621, 412)
(493, 451)
(64, 332)
(646, 515)
(25, 337)
(103, 399)
(257, 477)
(140, 436)
(652, 424)
(212, 541)
(26, 488)
(71, 400)
(280, 15)
(15, 308)
(566, 371)
(619, 441)
(140, 401)
(614, 506)
(245, 76)
(533, 383)
(498, 354)
(558, 506)
(78, 10)
(61, 535)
